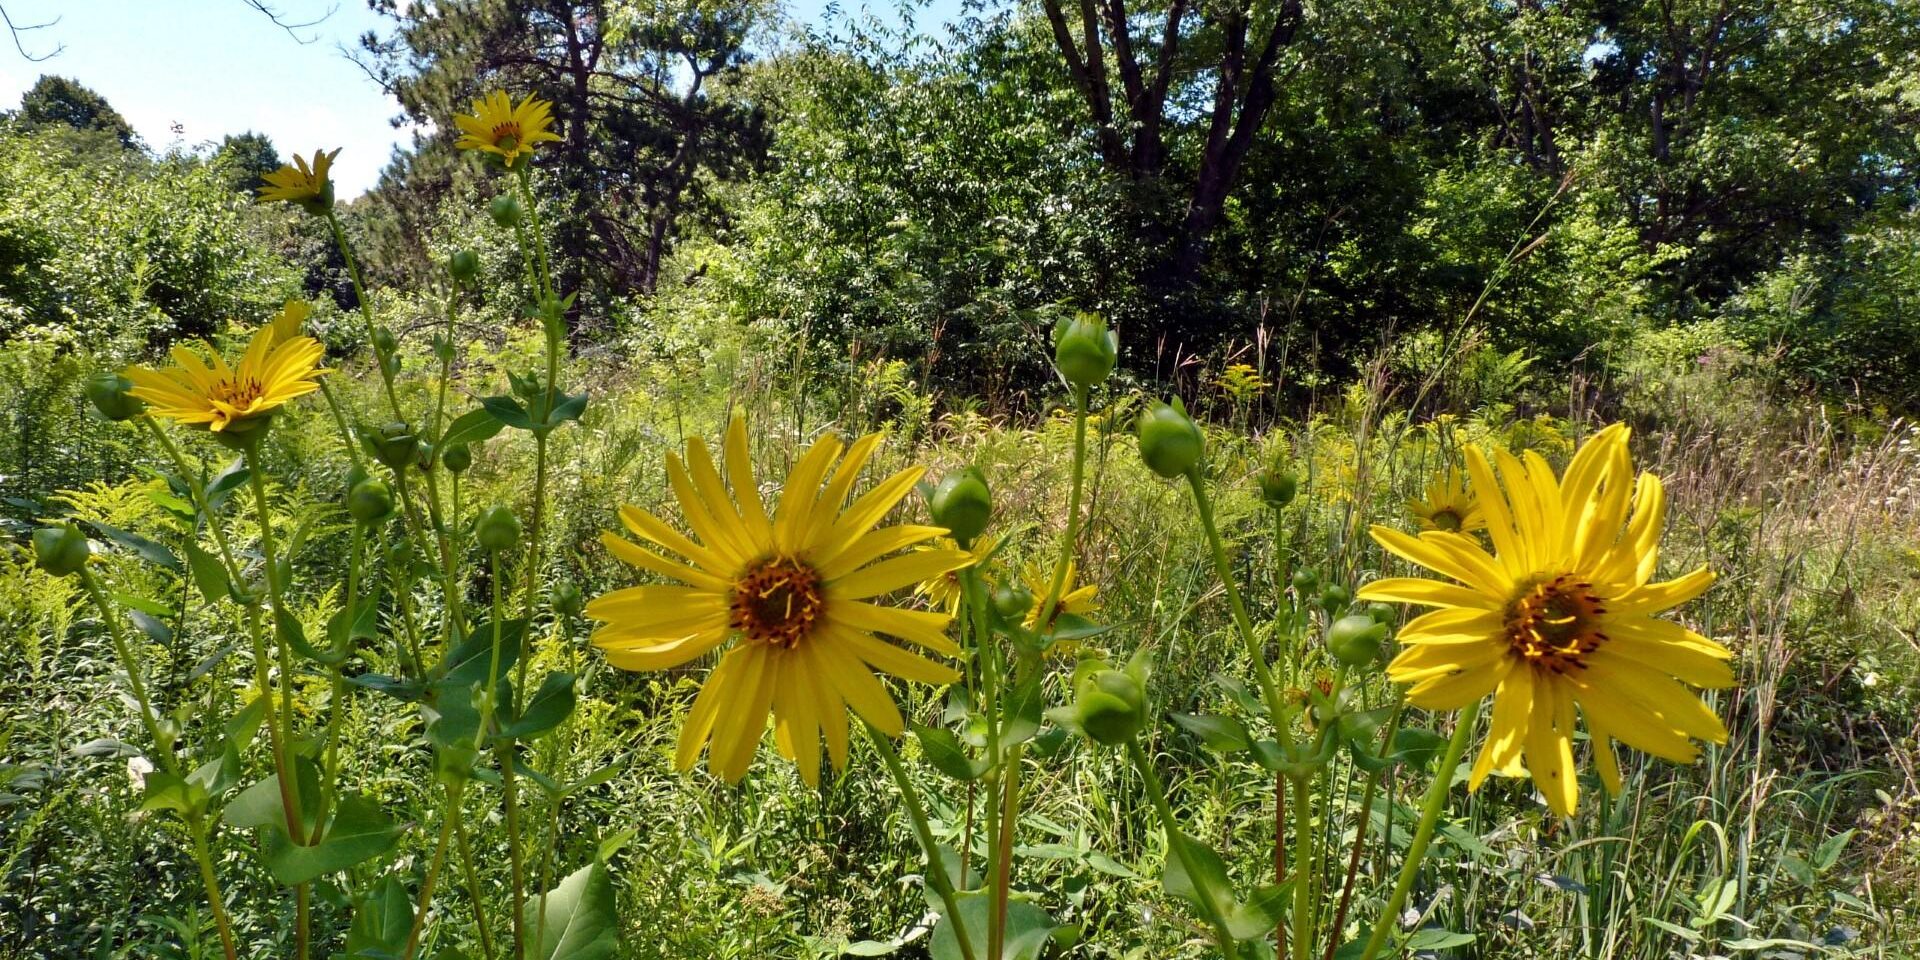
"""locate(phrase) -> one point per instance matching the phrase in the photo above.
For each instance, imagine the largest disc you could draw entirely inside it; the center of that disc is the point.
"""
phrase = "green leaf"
(569, 407)
(359, 832)
(471, 427)
(550, 705)
(1207, 886)
(381, 921)
(468, 663)
(579, 923)
(1221, 734)
(1691, 936)
(1022, 711)
(166, 791)
(508, 411)
(1830, 849)
(943, 750)
(1434, 938)
(1255, 919)
(144, 548)
(260, 804)
(209, 574)
(228, 480)
(1028, 929)
(294, 634)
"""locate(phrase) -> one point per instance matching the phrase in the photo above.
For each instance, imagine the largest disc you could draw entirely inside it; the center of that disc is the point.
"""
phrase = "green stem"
(450, 810)
(1068, 536)
(473, 885)
(366, 312)
(446, 367)
(196, 825)
(1177, 846)
(525, 181)
(340, 422)
(1303, 909)
(330, 755)
(503, 755)
(936, 863)
(1263, 673)
(1422, 836)
(289, 782)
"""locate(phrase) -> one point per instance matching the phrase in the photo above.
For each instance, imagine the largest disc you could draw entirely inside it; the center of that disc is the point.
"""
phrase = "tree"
(249, 157)
(59, 100)
(634, 92)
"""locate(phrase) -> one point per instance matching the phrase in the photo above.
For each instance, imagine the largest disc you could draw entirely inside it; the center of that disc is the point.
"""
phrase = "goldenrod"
(792, 590)
(1560, 615)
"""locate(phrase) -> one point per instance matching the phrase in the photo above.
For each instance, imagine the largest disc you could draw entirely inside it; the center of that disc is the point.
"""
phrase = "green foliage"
(55, 100)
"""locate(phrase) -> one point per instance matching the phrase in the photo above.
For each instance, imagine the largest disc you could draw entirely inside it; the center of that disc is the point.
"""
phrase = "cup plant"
(787, 595)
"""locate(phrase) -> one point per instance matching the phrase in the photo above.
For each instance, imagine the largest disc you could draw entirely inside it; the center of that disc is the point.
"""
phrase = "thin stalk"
(936, 863)
(1303, 906)
(1422, 836)
(503, 755)
(330, 754)
(196, 825)
(465, 842)
(449, 812)
(290, 787)
(340, 422)
(366, 313)
(1360, 830)
(1177, 846)
(1264, 674)
(446, 364)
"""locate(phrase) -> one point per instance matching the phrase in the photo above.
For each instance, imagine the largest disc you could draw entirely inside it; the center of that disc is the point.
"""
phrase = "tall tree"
(59, 100)
(642, 130)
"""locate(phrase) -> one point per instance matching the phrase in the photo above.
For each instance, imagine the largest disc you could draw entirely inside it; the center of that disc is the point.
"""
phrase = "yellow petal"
(1462, 688)
(745, 490)
(1431, 593)
(1454, 625)
(1659, 693)
(914, 626)
(859, 688)
(663, 656)
(736, 736)
(648, 527)
(654, 563)
(1506, 735)
(902, 571)
(1655, 597)
(1549, 746)
(872, 546)
(794, 515)
(1446, 558)
(718, 690)
(1628, 721)
(887, 658)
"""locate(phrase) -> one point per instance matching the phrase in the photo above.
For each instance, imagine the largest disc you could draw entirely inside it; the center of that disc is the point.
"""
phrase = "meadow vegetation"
(359, 671)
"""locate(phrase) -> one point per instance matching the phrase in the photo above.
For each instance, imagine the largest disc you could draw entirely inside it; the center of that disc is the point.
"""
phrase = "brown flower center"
(1445, 518)
(241, 393)
(1555, 623)
(506, 135)
(777, 602)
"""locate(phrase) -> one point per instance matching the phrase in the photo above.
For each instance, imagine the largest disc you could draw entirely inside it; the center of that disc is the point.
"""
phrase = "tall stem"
(1177, 847)
(380, 356)
(289, 778)
(936, 863)
(196, 824)
(1303, 903)
(449, 811)
(1422, 836)
(1263, 673)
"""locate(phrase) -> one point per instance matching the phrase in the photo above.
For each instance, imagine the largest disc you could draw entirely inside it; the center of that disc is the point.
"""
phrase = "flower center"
(240, 393)
(506, 135)
(1555, 623)
(1445, 518)
(776, 602)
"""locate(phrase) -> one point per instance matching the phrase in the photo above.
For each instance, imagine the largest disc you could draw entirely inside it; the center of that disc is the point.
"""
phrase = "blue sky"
(214, 67)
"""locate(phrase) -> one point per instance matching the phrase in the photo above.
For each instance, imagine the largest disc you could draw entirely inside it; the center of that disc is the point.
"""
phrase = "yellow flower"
(291, 321)
(1560, 615)
(279, 365)
(1448, 506)
(942, 590)
(792, 590)
(499, 127)
(301, 183)
(1078, 601)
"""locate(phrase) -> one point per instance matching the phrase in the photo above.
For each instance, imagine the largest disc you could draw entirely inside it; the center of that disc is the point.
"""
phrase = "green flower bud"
(1012, 600)
(497, 528)
(394, 445)
(369, 501)
(463, 265)
(61, 550)
(1306, 580)
(962, 504)
(1334, 597)
(108, 392)
(1382, 613)
(1278, 487)
(567, 600)
(1170, 442)
(505, 210)
(457, 457)
(1084, 350)
(1110, 705)
(1355, 639)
